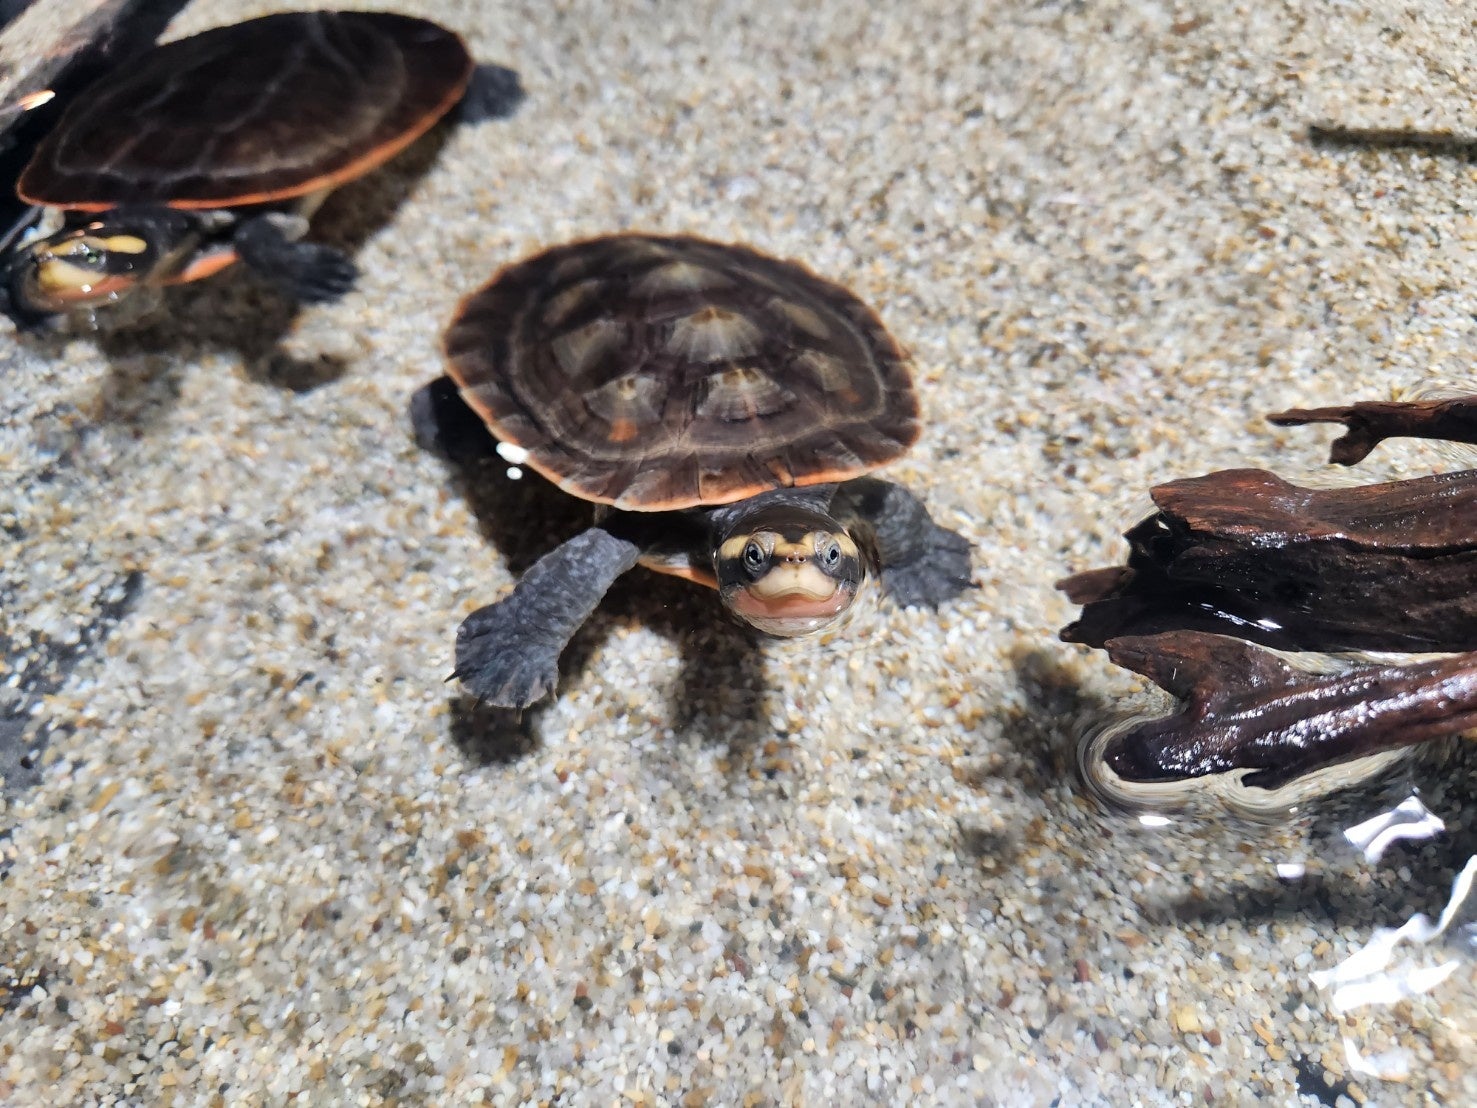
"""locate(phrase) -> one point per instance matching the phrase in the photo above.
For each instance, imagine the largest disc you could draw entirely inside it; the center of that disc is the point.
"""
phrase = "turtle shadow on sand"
(720, 693)
(237, 311)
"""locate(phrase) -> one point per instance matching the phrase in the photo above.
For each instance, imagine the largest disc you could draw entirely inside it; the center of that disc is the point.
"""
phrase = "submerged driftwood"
(1241, 557)
(1245, 708)
(1370, 423)
(1242, 552)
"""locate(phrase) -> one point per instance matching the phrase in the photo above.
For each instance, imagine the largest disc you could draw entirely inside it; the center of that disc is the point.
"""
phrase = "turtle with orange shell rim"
(218, 148)
(721, 406)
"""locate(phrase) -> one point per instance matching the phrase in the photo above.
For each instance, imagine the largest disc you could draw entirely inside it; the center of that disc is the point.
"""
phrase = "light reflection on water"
(1370, 977)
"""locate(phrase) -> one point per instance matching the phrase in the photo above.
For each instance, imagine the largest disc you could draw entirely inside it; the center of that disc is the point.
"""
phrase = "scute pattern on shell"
(269, 109)
(663, 372)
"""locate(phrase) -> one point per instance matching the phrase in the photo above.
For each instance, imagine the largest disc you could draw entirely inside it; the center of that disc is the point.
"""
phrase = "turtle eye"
(754, 556)
(84, 253)
(831, 554)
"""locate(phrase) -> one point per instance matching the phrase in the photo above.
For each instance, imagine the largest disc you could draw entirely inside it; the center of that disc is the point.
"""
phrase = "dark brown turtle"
(722, 406)
(218, 148)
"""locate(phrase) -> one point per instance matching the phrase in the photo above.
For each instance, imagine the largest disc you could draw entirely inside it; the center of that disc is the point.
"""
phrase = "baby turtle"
(218, 148)
(722, 406)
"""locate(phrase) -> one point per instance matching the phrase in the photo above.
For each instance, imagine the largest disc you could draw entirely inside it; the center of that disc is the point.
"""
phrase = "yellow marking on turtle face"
(803, 606)
(734, 547)
(623, 430)
(576, 351)
(812, 543)
(775, 545)
(83, 245)
(713, 334)
(801, 316)
(120, 244)
(56, 275)
(802, 580)
(59, 286)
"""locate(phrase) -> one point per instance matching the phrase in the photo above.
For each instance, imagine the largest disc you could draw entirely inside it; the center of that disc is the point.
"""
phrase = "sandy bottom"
(265, 851)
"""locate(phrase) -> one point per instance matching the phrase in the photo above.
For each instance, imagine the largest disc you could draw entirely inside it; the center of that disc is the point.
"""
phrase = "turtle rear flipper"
(922, 564)
(308, 271)
(507, 654)
(445, 426)
(494, 92)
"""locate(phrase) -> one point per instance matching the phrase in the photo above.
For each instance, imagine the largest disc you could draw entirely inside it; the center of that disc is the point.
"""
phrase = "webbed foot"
(940, 572)
(494, 92)
(507, 654)
(308, 271)
(500, 662)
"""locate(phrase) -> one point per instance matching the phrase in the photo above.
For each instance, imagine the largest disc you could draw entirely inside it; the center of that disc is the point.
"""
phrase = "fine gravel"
(256, 850)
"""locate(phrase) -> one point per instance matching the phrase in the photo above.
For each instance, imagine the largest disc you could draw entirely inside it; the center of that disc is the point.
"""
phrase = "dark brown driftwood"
(1370, 423)
(1245, 708)
(1242, 552)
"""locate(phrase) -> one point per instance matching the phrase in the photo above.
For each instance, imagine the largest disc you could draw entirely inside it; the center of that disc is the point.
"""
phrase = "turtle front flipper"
(921, 563)
(507, 654)
(308, 271)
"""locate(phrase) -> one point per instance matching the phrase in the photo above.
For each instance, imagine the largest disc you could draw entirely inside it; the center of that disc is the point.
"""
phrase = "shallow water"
(270, 850)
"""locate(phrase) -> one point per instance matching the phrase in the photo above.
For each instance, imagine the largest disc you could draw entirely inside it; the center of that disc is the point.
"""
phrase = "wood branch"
(1371, 422)
(1391, 566)
(1246, 709)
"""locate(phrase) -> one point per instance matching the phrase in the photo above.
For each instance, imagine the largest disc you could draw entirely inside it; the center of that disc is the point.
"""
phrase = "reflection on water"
(1408, 820)
(1229, 791)
(1370, 977)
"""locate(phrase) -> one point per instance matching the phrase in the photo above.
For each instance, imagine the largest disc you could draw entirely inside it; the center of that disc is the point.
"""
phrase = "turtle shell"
(266, 110)
(656, 373)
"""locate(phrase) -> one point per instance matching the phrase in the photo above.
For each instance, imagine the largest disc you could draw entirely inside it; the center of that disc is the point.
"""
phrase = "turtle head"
(79, 265)
(788, 570)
